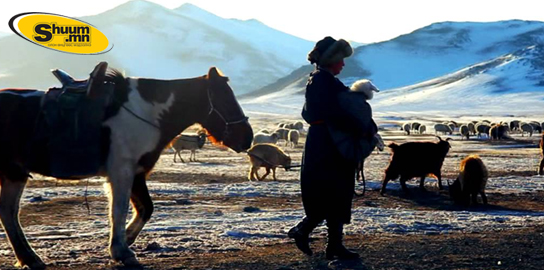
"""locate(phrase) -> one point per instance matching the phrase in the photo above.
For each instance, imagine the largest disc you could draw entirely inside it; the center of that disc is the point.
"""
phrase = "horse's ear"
(216, 73)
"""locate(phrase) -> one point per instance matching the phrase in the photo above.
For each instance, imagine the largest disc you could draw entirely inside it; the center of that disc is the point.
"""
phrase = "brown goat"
(541, 167)
(416, 159)
(268, 156)
(471, 181)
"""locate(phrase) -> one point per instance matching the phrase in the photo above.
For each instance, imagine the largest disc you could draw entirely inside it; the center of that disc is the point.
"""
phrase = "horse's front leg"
(142, 207)
(120, 180)
(10, 196)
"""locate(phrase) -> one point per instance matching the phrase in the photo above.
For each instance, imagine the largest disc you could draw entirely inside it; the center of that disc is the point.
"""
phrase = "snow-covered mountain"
(509, 84)
(447, 67)
(439, 49)
(153, 41)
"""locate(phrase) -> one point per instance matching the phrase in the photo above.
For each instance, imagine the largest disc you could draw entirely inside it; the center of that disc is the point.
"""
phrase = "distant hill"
(153, 41)
(445, 67)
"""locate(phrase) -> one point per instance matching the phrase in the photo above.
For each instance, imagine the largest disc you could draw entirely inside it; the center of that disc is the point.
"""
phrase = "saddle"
(70, 123)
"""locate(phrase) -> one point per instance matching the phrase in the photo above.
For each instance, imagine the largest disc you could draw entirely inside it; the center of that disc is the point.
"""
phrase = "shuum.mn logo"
(60, 33)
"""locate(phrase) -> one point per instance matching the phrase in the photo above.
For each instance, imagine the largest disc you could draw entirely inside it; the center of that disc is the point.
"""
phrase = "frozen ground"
(209, 205)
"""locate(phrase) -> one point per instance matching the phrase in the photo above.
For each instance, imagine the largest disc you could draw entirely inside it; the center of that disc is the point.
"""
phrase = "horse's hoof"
(131, 261)
(35, 265)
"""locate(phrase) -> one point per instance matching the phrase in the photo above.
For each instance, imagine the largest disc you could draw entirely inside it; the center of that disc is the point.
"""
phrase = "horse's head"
(226, 122)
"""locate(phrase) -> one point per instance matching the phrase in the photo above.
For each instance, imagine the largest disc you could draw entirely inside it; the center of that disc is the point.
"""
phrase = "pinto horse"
(144, 116)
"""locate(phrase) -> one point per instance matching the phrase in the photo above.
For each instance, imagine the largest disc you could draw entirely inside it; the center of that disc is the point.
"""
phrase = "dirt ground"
(520, 247)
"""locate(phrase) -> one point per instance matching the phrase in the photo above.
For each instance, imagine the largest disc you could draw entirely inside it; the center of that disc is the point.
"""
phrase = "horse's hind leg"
(142, 207)
(10, 196)
(120, 182)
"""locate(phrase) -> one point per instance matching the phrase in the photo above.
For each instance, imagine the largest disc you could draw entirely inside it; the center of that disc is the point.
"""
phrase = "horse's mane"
(115, 76)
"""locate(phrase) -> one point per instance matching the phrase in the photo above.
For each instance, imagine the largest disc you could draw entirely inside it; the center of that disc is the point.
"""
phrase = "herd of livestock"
(485, 128)
(408, 160)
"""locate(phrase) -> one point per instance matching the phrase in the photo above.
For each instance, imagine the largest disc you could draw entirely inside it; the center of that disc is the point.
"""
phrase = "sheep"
(282, 133)
(265, 138)
(514, 125)
(264, 131)
(498, 131)
(482, 128)
(299, 126)
(472, 180)
(415, 126)
(189, 142)
(422, 129)
(464, 131)
(451, 124)
(292, 137)
(526, 127)
(541, 167)
(416, 159)
(442, 128)
(281, 125)
(471, 128)
(268, 156)
(289, 126)
(536, 126)
(407, 127)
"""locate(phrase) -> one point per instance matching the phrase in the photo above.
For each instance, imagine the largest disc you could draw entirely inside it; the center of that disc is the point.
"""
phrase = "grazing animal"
(407, 127)
(268, 156)
(451, 124)
(264, 130)
(541, 167)
(526, 127)
(293, 137)
(416, 159)
(422, 129)
(471, 128)
(442, 128)
(265, 138)
(146, 115)
(282, 134)
(471, 181)
(415, 126)
(536, 126)
(498, 131)
(298, 126)
(514, 125)
(482, 128)
(188, 142)
(464, 131)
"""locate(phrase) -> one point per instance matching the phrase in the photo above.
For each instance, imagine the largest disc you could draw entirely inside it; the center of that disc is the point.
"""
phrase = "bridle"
(227, 123)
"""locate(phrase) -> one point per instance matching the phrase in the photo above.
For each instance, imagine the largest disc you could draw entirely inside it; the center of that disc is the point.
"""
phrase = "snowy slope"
(153, 41)
(509, 84)
(442, 48)
(437, 50)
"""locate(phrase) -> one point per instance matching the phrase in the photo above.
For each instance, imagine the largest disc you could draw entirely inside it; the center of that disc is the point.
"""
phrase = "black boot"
(301, 234)
(335, 248)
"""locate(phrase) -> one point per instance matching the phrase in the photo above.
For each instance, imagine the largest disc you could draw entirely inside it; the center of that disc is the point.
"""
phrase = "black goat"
(416, 159)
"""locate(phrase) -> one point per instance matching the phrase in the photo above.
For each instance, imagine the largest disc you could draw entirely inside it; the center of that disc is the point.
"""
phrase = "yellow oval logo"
(60, 33)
